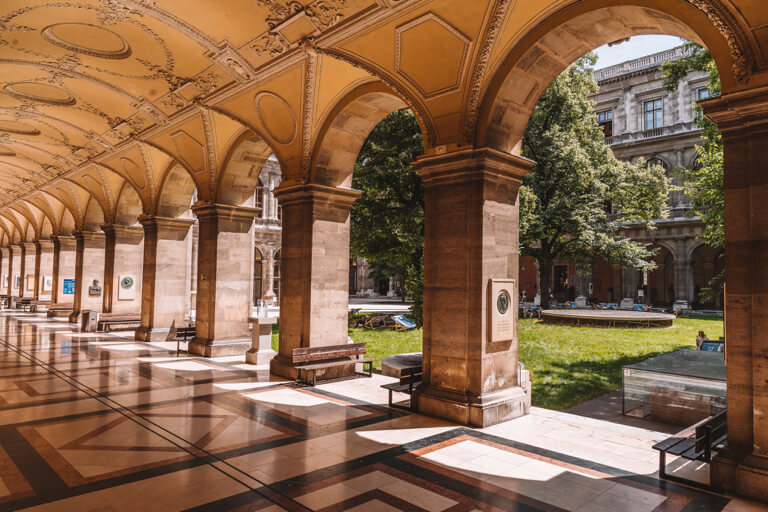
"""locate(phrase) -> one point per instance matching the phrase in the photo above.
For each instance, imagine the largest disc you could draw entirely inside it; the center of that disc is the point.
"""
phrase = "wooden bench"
(107, 321)
(182, 334)
(694, 443)
(410, 378)
(38, 304)
(59, 309)
(24, 303)
(312, 359)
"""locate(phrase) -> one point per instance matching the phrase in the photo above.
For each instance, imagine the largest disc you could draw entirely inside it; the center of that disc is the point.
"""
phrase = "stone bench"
(311, 359)
(108, 321)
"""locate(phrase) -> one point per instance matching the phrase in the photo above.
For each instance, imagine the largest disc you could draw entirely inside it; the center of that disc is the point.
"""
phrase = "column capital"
(205, 211)
(317, 194)
(123, 234)
(89, 236)
(472, 165)
(737, 111)
(43, 243)
(166, 227)
(64, 241)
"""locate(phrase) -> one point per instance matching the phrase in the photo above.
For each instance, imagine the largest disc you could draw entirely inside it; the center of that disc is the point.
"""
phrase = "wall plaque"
(502, 310)
(127, 288)
(69, 287)
(95, 289)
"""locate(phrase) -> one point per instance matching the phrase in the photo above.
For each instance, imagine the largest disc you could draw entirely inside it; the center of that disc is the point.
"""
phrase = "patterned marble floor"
(104, 423)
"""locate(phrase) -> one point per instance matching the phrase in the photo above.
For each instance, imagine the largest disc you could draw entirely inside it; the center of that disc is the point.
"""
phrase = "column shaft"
(314, 272)
(471, 242)
(225, 255)
(164, 304)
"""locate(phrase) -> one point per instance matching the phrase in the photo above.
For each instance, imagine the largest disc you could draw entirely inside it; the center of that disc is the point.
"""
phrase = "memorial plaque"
(127, 289)
(502, 310)
(95, 289)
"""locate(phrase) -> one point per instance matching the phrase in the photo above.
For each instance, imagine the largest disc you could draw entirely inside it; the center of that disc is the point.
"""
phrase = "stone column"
(683, 276)
(743, 120)
(64, 259)
(583, 280)
(314, 270)
(15, 269)
(123, 261)
(89, 267)
(4, 264)
(471, 237)
(43, 268)
(225, 253)
(164, 291)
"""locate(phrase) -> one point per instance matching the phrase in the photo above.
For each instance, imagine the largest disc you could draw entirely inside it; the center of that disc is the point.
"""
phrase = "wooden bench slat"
(333, 363)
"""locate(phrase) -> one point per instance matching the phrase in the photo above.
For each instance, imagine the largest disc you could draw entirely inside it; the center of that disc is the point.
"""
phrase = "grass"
(568, 365)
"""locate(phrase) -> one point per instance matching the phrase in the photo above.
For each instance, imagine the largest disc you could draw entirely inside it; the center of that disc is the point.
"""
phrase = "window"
(257, 275)
(276, 276)
(702, 94)
(654, 114)
(259, 195)
(605, 120)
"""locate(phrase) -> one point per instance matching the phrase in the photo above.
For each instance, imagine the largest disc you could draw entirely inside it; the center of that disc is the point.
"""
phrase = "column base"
(282, 366)
(74, 318)
(258, 357)
(680, 304)
(151, 334)
(745, 477)
(214, 348)
(480, 411)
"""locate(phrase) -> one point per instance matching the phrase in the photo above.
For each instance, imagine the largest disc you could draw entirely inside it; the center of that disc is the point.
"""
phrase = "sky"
(637, 46)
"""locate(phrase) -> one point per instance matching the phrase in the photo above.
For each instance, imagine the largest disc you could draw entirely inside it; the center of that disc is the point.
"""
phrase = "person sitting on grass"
(700, 339)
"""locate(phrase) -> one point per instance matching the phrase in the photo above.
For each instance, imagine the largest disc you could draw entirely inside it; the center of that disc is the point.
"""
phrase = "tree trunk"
(545, 279)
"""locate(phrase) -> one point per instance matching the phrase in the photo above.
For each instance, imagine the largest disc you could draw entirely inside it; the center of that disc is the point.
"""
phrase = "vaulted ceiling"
(97, 95)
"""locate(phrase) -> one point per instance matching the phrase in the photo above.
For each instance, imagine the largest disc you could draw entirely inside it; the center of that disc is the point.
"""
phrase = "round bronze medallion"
(502, 302)
(127, 282)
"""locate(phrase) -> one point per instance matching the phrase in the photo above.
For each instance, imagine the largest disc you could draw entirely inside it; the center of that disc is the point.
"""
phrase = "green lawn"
(568, 365)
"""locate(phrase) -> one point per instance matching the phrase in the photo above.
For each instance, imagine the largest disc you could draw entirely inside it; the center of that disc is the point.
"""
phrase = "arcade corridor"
(101, 422)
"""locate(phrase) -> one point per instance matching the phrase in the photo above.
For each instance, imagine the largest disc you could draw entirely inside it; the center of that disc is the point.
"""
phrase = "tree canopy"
(567, 203)
(388, 218)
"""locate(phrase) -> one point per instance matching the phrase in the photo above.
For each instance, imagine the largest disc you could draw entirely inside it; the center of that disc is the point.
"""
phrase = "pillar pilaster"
(64, 259)
(29, 257)
(471, 238)
(166, 267)
(225, 255)
(89, 271)
(43, 267)
(742, 118)
(314, 273)
(4, 256)
(122, 262)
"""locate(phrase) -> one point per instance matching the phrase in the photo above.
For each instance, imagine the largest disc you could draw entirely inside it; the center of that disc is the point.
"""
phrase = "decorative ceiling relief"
(40, 93)
(291, 23)
(277, 116)
(431, 35)
(80, 38)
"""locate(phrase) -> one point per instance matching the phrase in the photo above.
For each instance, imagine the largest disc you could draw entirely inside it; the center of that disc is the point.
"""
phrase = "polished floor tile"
(101, 422)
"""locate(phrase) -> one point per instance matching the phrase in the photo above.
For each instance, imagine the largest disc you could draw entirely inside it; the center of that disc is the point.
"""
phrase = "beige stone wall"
(46, 269)
(128, 261)
(67, 258)
(15, 270)
(4, 264)
(28, 285)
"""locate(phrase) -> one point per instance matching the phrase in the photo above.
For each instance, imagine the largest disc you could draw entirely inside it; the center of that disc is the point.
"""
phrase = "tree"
(566, 203)
(388, 218)
(704, 183)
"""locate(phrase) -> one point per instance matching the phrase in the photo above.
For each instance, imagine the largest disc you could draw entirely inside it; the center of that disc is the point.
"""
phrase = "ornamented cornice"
(729, 28)
(308, 109)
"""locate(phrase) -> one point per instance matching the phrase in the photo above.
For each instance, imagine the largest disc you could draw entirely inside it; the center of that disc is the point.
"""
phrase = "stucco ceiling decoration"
(18, 128)
(448, 49)
(87, 39)
(277, 116)
(40, 93)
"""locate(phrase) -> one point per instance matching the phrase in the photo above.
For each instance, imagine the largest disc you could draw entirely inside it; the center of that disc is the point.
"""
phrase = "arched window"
(659, 162)
(258, 261)
(276, 276)
(258, 198)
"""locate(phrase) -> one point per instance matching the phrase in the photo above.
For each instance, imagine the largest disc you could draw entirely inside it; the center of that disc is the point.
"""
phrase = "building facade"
(642, 120)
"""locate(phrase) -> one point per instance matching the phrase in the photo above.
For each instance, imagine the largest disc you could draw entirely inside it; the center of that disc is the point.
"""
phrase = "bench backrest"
(718, 427)
(312, 354)
(119, 316)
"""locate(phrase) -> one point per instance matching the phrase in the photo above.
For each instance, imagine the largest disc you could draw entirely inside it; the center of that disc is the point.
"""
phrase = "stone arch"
(46, 230)
(532, 63)
(707, 262)
(93, 218)
(30, 233)
(239, 176)
(345, 130)
(128, 206)
(177, 192)
(67, 225)
(663, 276)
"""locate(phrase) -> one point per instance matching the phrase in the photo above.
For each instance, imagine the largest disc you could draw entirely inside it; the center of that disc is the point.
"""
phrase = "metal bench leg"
(662, 464)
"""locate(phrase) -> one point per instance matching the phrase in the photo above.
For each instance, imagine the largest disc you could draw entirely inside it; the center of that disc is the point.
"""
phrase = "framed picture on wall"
(47, 283)
(17, 281)
(30, 282)
(5, 280)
